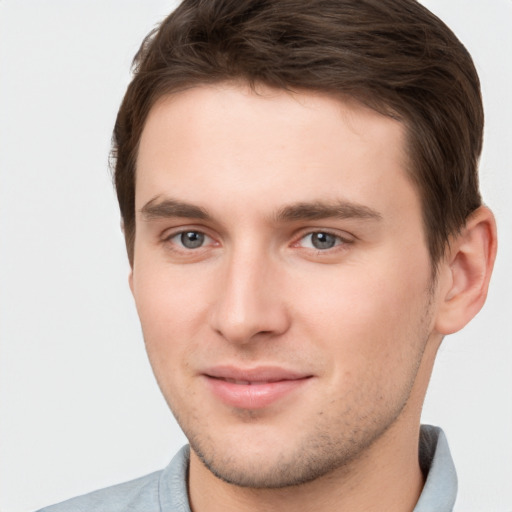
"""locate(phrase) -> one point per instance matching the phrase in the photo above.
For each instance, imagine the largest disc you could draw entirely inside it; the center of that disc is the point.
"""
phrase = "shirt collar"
(440, 489)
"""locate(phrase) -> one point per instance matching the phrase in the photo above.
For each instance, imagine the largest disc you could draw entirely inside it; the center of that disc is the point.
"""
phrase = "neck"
(388, 477)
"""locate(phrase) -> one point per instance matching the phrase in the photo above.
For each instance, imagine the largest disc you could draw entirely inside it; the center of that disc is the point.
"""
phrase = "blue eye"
(321, 240)
(191, 239)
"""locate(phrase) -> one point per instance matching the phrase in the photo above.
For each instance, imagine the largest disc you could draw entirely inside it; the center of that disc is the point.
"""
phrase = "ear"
(466, 271)
(130, 279)
(130, 275)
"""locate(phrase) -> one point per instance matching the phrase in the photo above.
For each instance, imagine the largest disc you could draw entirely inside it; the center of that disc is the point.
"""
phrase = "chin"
(277, 466)
(262, 474)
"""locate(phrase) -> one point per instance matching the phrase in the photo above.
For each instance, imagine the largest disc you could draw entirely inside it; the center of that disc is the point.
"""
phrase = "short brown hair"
(392, 55)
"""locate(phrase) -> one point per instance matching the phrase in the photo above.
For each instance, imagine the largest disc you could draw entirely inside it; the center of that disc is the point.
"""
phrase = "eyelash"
(339, 241)
(168, 239)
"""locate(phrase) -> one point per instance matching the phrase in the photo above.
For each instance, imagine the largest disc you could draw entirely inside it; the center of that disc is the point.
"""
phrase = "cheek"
(375, 335)
(170, 308)
(370, 315)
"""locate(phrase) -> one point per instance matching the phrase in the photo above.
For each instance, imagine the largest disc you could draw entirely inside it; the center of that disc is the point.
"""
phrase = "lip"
(253, 388)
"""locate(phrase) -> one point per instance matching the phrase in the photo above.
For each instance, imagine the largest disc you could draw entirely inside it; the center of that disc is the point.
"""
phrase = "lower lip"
(253, 396)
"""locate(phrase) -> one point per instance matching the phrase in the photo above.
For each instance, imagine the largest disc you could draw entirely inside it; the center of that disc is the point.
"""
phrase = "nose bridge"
(249, 302)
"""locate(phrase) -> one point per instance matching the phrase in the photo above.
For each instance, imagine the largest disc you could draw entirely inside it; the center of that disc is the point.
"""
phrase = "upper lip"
(256, 374)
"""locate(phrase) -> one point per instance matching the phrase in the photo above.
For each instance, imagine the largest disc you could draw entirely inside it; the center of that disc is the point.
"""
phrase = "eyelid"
(343, 236)
(171, 233)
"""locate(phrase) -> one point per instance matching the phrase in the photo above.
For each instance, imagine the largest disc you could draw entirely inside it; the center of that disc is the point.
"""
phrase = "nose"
(250, 302)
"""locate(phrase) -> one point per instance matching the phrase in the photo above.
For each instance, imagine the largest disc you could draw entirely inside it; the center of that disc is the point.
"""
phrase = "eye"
(190, 239)
(320, 240)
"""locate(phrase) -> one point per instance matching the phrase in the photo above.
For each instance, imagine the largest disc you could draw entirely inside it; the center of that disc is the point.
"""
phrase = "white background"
(79, 408)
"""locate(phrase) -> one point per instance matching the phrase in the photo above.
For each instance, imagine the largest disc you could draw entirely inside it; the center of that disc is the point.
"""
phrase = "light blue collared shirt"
(166, 490)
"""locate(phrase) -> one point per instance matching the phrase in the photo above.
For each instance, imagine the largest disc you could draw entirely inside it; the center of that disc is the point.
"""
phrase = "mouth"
(246, 382)
(253, 388)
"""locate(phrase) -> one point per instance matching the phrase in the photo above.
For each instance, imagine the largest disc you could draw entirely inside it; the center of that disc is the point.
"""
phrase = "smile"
(253, 389)
(249, 382)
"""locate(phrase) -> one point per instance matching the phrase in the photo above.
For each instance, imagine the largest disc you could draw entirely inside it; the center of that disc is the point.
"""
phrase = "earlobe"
(468, 268)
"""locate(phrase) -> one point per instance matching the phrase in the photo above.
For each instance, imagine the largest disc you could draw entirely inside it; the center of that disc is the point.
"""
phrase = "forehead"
(223, 144)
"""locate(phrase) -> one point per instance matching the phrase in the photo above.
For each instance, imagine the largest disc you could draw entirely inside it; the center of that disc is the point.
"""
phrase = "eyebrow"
(158, 208)
(168, 208)
(320, 210)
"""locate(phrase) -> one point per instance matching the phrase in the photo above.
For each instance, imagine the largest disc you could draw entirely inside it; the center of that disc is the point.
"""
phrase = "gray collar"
(440, 488)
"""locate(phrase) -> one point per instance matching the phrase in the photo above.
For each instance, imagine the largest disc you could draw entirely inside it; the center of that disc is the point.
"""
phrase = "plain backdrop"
(79, 407)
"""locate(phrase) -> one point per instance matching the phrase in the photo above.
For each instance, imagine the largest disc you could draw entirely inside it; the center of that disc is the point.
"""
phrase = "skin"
(359, 316)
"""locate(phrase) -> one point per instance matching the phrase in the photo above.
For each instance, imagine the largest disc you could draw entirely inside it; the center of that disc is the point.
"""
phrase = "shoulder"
(144, 494)
(140, 494)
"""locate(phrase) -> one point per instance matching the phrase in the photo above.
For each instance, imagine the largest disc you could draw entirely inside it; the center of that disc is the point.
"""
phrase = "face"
(281, 277)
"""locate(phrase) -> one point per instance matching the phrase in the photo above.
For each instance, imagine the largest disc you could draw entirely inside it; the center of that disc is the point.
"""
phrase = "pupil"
(192, 239)
(323, 241)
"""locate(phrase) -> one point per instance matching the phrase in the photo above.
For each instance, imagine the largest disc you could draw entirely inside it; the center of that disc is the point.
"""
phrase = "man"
(299, 194)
